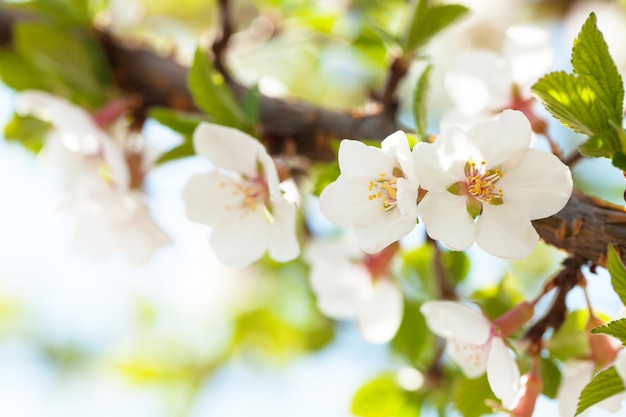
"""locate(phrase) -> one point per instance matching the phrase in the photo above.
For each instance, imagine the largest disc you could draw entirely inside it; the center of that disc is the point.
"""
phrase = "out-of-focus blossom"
(376, 193)
(485, 185)
(475, 344)
(109, 214)
(352, 285)
(241, 199)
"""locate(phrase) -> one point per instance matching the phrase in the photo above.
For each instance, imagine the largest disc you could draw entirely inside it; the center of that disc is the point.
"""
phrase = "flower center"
(249, 194)
(481, 183)
(384, 189)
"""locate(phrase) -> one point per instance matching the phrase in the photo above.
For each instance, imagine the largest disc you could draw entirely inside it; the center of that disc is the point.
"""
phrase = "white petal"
(228, 148)
(397, 146)
(359, 160)
(207, 197)
(536, 179)
(380, 315)
(270, 175)
(576, 376)
(344, 200)
(506, 231)
(406, 198)
(446, 219)
(386, 228)
(116, 162)
(493, 141)
(479, 81)
(284, 244)
(449, 319)
(240, 240)
(471, 358)
(503, 373)
(439, 165)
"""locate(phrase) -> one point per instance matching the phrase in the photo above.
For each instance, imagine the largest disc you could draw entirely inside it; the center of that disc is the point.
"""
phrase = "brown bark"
(584, 228)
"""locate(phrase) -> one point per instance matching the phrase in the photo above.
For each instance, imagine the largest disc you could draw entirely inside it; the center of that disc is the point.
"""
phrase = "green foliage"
(589, 101)
(470, 396)
(420, 96)
(28, 131)
(213, 96)
(416, 274)
(618, 273)
(551, 377)
(60, 59)
(382, 397)
(427, 21)
(570, 341)
(413, 340)
(616, 328)
(324, 174)
(604, 385)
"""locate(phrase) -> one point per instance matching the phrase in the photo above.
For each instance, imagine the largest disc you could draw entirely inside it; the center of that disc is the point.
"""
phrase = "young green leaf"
(604, 385)
(406, 343)
(593, 64)
(551, 377)
(618, 273)
(67, 57)
(420, 109)
(616, 328)
(571, 339)
(28, 131)
(382, 397)
(470, 395)
(183, 123)
(181, 151)
(212, 95)
(589, 101)
(427, 21)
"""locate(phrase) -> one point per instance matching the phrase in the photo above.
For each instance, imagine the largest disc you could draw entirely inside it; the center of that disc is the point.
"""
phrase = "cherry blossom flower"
(485, 185)
(241, 199)
(476, 344)
(109, 215)
(375, 194)
(351, 285)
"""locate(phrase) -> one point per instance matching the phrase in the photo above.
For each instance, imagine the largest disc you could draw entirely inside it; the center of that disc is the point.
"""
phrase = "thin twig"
(445, 291)
(397, 70)
(221, 41)
(573, 159)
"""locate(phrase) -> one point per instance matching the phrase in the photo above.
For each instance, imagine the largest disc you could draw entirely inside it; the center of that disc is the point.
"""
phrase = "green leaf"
(183, 123)
(428, 21)
(470, 396)
(19, 73)
(572, 102)
(251, 104)
(75, 12)
(382, 397)
(551, 377)
(590, 100)
(593, 64)
(456, 264)
(406, 340)
(616, 328)
(181, 151)
(420, 96)
(604, 385)
(618, 273)
(68, 58)
(213, 96)
(571, 340)
(324, 174)
(28, 131)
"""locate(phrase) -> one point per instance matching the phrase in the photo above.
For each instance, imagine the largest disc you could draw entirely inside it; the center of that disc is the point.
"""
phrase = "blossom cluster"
(483, 185)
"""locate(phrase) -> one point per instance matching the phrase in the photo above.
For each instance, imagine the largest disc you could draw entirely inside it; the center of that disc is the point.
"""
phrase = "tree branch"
(584, 228)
